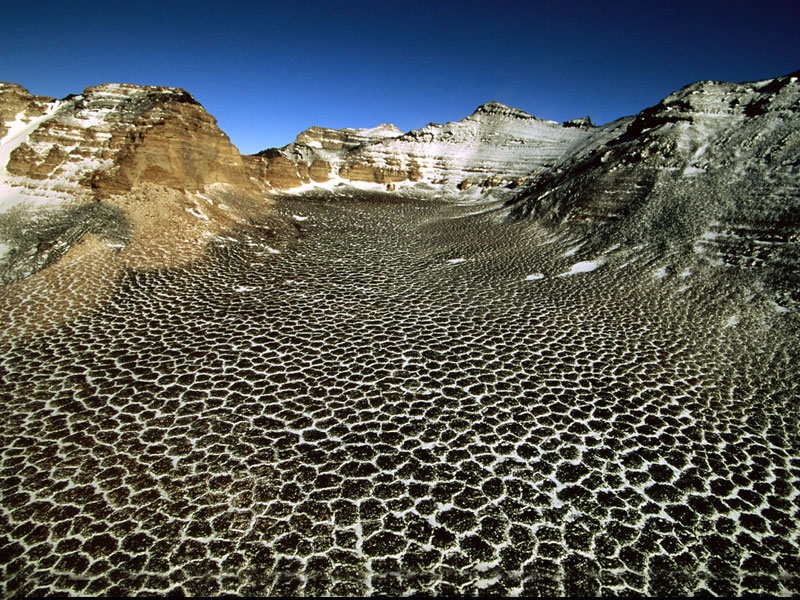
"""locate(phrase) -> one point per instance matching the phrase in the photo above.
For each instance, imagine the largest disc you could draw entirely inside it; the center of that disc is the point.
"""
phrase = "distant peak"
(382, 130)
(496, 108)
(492, 106)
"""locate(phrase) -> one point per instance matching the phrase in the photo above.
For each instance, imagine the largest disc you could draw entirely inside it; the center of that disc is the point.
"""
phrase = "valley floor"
(410, 397)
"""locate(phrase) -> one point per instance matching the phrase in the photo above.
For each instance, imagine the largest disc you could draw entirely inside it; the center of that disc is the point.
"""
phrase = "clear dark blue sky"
(267, 70)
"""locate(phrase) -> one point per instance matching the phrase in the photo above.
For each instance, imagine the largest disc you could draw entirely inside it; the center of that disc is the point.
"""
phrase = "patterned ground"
(363, 413)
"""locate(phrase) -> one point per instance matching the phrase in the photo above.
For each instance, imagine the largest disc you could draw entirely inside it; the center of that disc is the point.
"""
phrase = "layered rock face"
(113, 137)
(15, 99)
(124, 175)
(711, 172)
(345, 139)
(316, 153)
(496, 145)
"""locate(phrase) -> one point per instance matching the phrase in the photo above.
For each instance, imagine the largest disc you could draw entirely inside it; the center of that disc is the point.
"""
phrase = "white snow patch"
(700, 151)
(732, 321)
(689, 171)
(314, 144)
(271, 250)
(384, 130)
(534, 277)
(482, 584)
(4, 248)
(92, 119)
(299, 217)
(585, 266)
(775, 306)
(198, 213)
(660, 273)
(332, 183)
(455, 261)
(685, 273)
(18, 131)
(572, 251)
(244, 288)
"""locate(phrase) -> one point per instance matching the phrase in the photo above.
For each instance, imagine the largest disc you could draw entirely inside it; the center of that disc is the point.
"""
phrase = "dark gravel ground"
(363, 413)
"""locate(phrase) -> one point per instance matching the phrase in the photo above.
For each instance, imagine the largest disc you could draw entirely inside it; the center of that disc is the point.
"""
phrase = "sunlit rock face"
(143, 171)
(112, 137)
(345, 139)
(494, 146)
(316, 154)
(15, 99)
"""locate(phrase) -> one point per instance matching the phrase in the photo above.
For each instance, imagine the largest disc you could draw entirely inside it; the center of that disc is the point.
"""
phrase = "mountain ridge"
(493, 146)
(635, 179)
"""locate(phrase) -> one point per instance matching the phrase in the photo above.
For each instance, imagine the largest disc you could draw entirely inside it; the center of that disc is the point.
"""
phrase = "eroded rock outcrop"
(113, 137)
(345, 139)
(16, 100)
(142, 172)
(317, 154)
(496, 145)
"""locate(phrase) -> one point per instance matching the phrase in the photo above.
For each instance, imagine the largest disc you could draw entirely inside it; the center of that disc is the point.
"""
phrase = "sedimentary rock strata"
(118, 145)
(495, 145)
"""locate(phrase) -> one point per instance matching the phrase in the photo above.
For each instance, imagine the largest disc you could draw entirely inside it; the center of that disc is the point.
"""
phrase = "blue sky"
(267, 70)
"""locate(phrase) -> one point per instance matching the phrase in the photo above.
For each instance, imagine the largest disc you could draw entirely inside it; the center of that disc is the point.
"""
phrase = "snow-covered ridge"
(12, 191)
(496, 145)
(384, 130)
(48, 159)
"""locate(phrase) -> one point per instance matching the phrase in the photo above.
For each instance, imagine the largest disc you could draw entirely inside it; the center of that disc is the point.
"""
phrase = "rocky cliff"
(494, 146)
(152, 156)
(120, 176)
(111, 138)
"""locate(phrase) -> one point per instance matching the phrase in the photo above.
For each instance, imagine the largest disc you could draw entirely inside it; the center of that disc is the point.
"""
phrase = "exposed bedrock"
(152, 154)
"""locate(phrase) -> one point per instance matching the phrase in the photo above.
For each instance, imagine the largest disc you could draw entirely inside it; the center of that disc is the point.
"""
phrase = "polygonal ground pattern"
(365, 414)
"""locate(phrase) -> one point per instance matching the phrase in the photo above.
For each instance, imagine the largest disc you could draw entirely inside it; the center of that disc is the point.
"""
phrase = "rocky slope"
(121, 176)
(710, 176)
(147, 161)
(494, 146)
